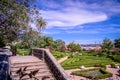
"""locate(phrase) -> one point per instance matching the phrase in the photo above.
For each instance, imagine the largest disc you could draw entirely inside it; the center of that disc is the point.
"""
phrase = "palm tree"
(41, 24)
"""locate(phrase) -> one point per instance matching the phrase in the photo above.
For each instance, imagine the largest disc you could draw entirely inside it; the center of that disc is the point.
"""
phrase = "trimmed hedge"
(116, 58)
(105, 74)
(87, 61)
(112, 65)
(101, 75)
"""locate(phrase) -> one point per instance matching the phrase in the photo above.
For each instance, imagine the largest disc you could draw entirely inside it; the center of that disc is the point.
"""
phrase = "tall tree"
(30, 37)
(13, 18)
(74, 47)
(58, 44)
(107, 45)
(16, 16)
(117, 43)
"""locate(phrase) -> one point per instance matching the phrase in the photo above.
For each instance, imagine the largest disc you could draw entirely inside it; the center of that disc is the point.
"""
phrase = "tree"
(117, 43)
(107, 45)
(29, 38)
(15, 18)
(74, 47)
(58, 44)
(41, 24)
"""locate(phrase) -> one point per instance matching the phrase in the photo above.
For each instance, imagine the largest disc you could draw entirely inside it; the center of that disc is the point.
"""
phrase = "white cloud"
(83, 31)
(68, 18)
(51, 32)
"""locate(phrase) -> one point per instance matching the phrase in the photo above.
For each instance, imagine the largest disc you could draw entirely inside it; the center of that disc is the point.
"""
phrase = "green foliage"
(76, 61)
(117, 43)
(58, 44)
(58, 54)
(15, 18)
(107, 45)
(74, 47)
(2, 43)
(112, 65)
(13, 48)
(23, 51)
(105, 73)
(12, 17)
(93, 73)
(116, 58)
(70, 56)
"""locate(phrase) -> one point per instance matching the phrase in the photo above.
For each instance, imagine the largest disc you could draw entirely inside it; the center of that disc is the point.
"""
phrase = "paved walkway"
(114, 71)
(62, 59)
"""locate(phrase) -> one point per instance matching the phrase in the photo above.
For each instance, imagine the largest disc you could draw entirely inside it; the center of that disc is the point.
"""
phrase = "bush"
(23, 51)
(104, 73)
(2, 43)
(112, 65)
(116, 58)
(13, 48)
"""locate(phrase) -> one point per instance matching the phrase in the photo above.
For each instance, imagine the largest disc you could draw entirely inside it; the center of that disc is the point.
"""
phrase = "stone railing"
(54, 66)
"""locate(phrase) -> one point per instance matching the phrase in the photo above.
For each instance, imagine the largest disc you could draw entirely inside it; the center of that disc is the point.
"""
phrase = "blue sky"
(81, 21)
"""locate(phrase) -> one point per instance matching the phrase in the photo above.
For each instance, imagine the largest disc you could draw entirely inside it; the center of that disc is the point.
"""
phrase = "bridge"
(39, 59)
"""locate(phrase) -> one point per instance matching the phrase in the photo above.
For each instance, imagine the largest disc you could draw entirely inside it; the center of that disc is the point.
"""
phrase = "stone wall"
(54, 66)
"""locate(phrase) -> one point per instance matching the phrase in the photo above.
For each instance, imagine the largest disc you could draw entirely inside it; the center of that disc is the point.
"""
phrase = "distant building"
(95, 47)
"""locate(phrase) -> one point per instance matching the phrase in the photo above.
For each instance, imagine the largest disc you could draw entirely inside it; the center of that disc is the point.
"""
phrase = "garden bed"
(99, 73)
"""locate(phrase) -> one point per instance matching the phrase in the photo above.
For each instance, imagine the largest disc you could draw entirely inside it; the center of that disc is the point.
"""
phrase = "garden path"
(114, 72)
(62, 59)
(77, 77)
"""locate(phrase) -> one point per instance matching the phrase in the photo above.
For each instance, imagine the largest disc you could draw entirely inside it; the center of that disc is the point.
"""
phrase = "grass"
(93, 73)
(23, 51)
(76, 61)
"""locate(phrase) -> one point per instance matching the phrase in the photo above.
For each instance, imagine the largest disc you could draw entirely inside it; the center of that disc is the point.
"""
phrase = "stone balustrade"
(54, 66)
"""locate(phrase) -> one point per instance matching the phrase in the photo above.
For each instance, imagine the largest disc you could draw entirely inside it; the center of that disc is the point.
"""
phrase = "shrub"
(2, 43)
(14, 48)
(105, 73)
(116, 58)
(84, 73)
(113, 65)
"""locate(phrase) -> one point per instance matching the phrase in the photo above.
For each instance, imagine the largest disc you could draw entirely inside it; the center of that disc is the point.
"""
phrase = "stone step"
(27, 64)
(23, 59)
(40, 71)
(38, 75)
(50, 78)
(30, 68)
(32, 64)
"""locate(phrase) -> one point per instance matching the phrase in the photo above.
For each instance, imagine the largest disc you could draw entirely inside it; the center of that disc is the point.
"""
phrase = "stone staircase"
(32, 63)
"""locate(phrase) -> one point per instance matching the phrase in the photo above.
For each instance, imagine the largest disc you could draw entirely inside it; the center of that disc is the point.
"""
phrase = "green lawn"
(76, 61)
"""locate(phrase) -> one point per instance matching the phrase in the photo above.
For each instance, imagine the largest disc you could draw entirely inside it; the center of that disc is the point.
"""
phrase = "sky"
(81, 21)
